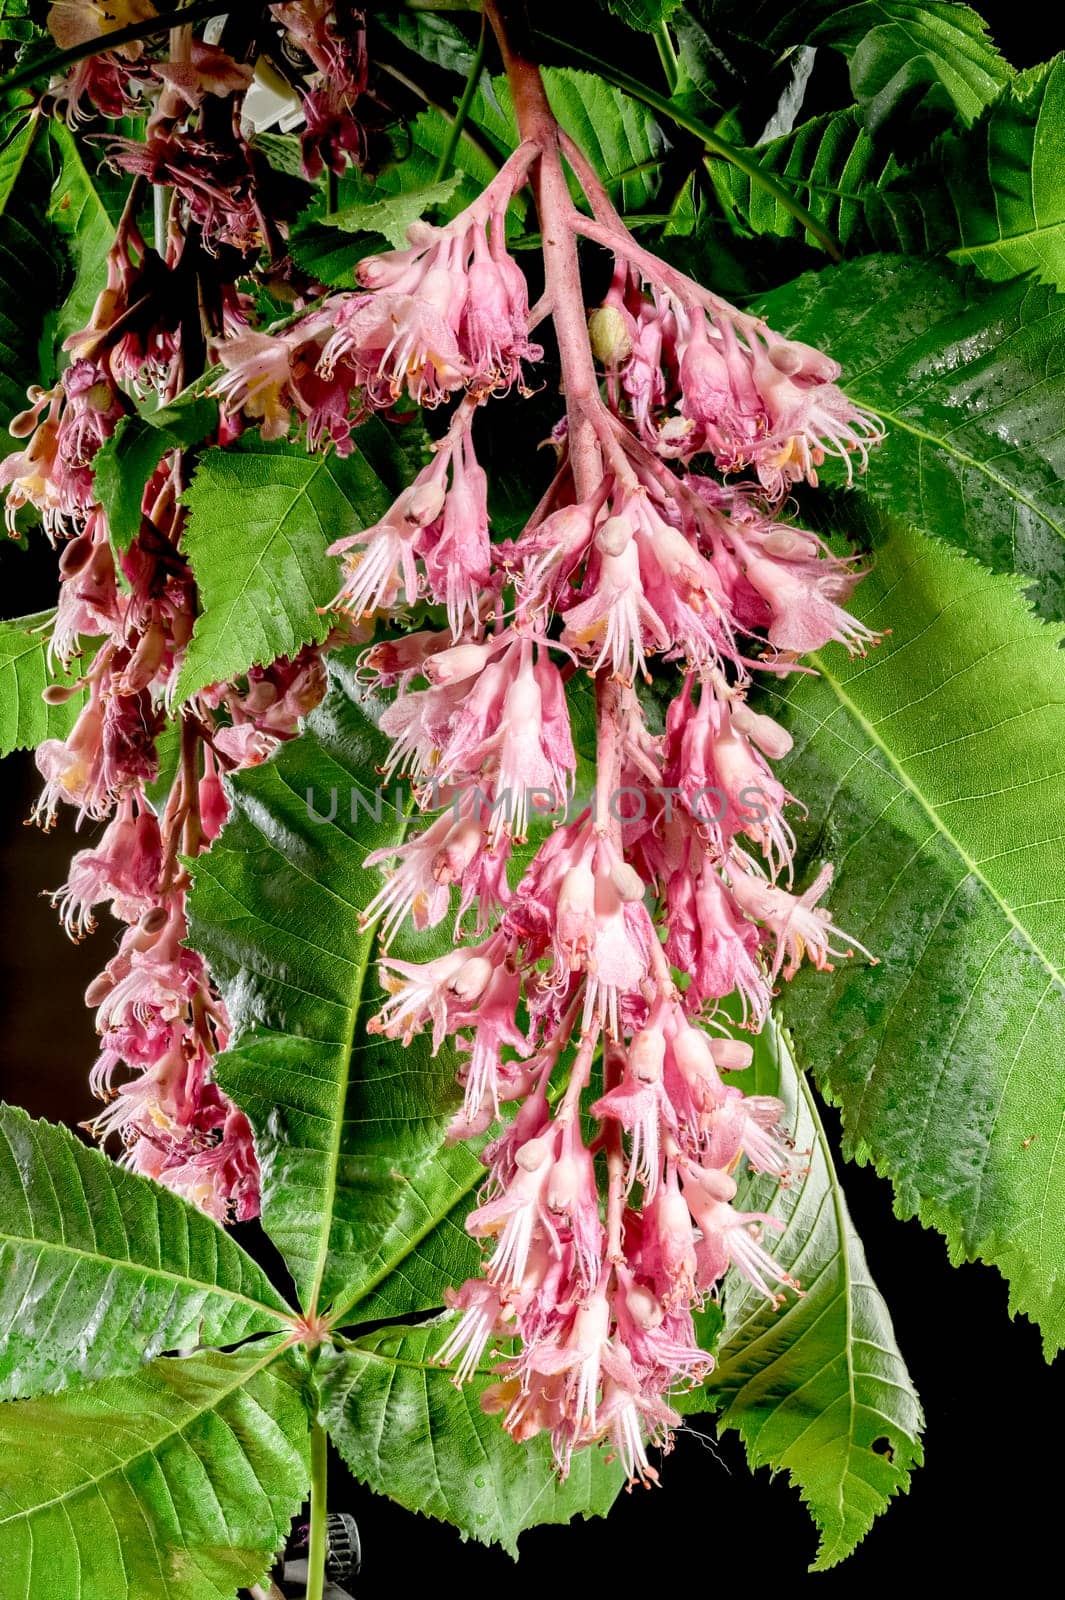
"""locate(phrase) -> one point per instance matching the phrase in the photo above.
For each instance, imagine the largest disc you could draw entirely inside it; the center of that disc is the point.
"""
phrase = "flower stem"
(447, 155)
(318, 1545)
(562, 278)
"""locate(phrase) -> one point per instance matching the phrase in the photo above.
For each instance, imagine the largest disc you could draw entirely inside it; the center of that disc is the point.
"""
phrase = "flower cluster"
(597, 997)
(595, 1001)
(192, 96)
(153, 774)
(448, 315)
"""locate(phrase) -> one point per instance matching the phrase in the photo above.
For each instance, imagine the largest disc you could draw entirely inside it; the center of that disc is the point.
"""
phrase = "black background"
(979, 1510)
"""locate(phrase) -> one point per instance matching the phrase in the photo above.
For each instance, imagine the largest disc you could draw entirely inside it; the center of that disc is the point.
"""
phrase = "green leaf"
(904, 49)
(320, 250)
(25, 720)
(283, 152)
(101, 1269)
(82, 221)
(969, 380)
(818, 1388)
(124, 463)
(407, 1431)
(261, 516)
(619, 136)
(830, 162)
(898, 49)
(393, 215)
(994, 196)
(431, 38)
(29, 273)
(934, 772)
(360, 1194)
(179, 1483)
(646, 15)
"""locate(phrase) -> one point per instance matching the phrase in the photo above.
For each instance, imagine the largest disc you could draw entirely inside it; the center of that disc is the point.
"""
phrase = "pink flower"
(728, 1237)
(482, 1309)
(515, 1216)
(802, 596)
(615, 624)
(640, 1103)
(800, 927)
(124, 868)
(384, 568)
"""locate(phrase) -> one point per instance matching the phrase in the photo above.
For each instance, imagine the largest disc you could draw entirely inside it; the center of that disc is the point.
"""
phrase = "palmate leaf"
(404, 1428)
(179, 1483)
(935, 775)
(359, 1192)
(992, 197)
(25, 720)
(908, 53)
(817, 1388)
(101, 1269)
(261, 517)
(970, 380)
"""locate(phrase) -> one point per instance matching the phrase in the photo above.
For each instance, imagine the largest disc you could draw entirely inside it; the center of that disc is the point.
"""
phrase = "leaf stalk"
(318, 1544)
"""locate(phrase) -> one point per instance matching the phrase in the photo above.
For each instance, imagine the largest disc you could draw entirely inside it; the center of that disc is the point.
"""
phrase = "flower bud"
(379, 272)
(471, 980)
(98, 990)
(23, 424)
(456, 853)
(613, 536)
(451, 666)
(718, 1185)
(533, 1154)
(564, 1184)
(421, 504)
(153, 921)
(786, 359)
(731, 1055)
(57, 694)
(76, 554)
(647, 1053)
(261, 696)
(611, 340)
(642, 1306)
(768, 735)
(627, 881)
(786, 544)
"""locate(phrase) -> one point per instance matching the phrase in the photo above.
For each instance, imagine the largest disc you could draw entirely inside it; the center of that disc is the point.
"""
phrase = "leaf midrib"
(971, 865)
(979, 247)
(116, 1263)
(336, 1142)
